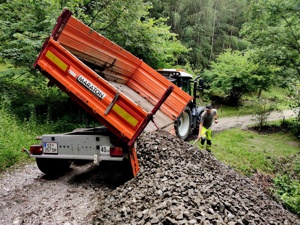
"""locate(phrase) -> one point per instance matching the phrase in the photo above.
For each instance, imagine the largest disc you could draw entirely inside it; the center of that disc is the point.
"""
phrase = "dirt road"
(243, 121)
(28, 197)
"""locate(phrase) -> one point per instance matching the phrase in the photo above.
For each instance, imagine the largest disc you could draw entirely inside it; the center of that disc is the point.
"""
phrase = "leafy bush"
(18, 130)
(262, 111)
(288, 191)
(292, 125)
(48, 105)
(234, 74)
(15, 135)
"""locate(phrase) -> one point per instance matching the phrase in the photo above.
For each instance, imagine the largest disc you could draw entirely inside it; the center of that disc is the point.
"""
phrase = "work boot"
(202, 143)
(208, 148)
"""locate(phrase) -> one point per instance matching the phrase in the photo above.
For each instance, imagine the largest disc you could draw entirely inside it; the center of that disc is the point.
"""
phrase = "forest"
(239, 47)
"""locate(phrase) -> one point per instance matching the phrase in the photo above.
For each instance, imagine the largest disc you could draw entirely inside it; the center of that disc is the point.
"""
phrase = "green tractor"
(188, 122)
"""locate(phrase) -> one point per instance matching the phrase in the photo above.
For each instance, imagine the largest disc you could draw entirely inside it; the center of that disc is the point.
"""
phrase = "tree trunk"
(259, 93)
(213, 33)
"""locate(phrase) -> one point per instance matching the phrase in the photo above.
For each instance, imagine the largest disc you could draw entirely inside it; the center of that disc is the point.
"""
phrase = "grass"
(248, 152)
(27, 111)
(14, 135)
(249, 103)
(11, 142)
(273, 155)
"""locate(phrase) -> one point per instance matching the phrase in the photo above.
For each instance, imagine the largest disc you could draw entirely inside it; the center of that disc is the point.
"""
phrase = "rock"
(154, 220)
(230, 216)
(192, 221)
(176, 186)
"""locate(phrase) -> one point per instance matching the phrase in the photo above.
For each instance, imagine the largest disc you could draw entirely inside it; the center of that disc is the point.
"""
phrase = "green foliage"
(26, 24)
(207, 27)
(233, 75)
(275, 154)
(15, 135)
(289, 192)
(25, 97)
(273, 26)
(128, 24)
(262, 111)
(153, 43)
(249, 152)
(288, 166)
(24, 27)
(249, 103)
(295, 104)
(293, 125)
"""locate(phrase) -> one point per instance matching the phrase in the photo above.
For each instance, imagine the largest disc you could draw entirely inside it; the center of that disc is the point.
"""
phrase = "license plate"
(50, 148)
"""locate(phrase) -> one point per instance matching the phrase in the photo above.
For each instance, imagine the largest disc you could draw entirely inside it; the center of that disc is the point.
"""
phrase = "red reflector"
(36, 149)
(116, 152)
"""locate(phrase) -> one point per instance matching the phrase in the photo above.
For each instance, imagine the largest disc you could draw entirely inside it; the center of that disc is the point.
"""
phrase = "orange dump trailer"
(117, 88)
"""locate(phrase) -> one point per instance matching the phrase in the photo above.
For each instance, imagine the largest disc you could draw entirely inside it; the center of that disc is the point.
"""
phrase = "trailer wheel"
(183, 124)
(53, 167)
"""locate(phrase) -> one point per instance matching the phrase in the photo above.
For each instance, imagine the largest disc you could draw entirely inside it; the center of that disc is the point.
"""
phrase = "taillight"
(36, 149)
(116, 152)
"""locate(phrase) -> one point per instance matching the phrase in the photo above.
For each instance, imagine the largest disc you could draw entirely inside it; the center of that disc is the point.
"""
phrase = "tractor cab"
(188, 122)
(179, 77)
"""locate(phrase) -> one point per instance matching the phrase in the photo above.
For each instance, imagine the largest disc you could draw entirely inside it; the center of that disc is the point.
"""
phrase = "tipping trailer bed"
(72, 43)
(118, 89)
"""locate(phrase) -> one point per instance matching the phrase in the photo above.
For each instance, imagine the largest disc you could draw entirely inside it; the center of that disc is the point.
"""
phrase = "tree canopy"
(234, 74)
(24, 27)
(274, 27)
(26, 24)
(207, 27)
(168, 33)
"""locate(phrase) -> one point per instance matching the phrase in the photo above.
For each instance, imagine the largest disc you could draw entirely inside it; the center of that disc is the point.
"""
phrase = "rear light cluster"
(116, 152)
(36, 149)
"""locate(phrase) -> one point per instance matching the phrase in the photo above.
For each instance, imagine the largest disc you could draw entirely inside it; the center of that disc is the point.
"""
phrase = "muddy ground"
(177, 184)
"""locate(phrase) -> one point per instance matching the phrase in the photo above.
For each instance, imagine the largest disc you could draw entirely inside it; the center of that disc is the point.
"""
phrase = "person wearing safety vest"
(207, 118)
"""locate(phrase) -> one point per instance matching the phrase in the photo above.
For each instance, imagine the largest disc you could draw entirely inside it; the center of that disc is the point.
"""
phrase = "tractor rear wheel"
(200, 110)
(196, 130)
(183, 124)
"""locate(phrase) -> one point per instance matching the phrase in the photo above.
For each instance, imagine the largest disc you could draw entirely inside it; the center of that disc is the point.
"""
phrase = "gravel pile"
(178, 184)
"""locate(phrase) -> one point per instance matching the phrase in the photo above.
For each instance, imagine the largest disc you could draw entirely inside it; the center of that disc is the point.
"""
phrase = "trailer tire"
(182, 124)
(53, 167)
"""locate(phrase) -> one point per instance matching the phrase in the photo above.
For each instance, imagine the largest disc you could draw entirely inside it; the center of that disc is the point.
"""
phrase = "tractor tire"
(196, 130)
(182, 124)
(53, 167)
(198, 120)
